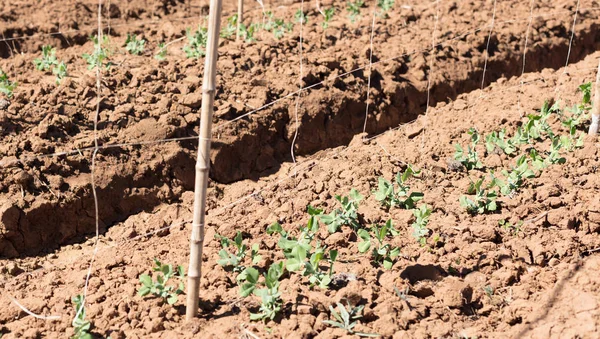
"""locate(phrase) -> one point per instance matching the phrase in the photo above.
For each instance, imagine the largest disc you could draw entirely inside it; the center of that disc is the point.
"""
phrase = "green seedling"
(270, 296)
(346, 319)
(383, 254)
(327, 16)
(353, 7)
(162, 52)
(247, 32)
(586, 90)
(60, 71)
(314, 273)
(235, 260)
(80, 324)
(515, 179)
(159, 287)
(134, 46)
(230, 27)
(196, 43)
(498, 140)
(301, 17)
(483, 202)
(98, 57)
(469, 159)
(297, 251)
(280, 28)
(509, 227)
(385, 6)
(537, 127)
(346, 215)
(48, 59)
(277, 26)
(391, 197)
(419, 227)
(6, 86)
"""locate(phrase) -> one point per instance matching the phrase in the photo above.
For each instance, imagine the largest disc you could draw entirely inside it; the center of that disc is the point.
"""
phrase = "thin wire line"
(525, 54)
(487, 48)
(93, 167)
(370, 72)
(572, 36)
(429, 76)
(300, 81)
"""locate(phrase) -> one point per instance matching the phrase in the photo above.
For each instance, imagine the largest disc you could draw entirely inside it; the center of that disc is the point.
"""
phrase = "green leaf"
(172, 299)
(251, 275)
(146, 280)
(143, 291)
(246, 289)
(275, 228)
(293, 264)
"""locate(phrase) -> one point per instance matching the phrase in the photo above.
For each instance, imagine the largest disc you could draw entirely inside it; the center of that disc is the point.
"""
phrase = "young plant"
(346, 318)
(162, 52)
(48, 59)
(347, 215)
(60, 71)
(419, 227)
(236, 259)
(80, 325)
(327, 16)
(354, 9)
(230, 28)
(301, 17)
(247, 32)
(311, 268)
(509, 227)
(498, 140)
(6, 86)
(196, 43)
(100, 54)
(516, 177)
(280, 28)
(270, 296)
(159, 287)
(133, 45)
(297, 251)
(484, 201)
(383, 254)
(385, 6)
(389, 197)
(469, 159)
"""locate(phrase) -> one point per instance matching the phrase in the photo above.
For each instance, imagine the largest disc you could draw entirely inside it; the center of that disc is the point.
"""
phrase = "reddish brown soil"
(544, 277)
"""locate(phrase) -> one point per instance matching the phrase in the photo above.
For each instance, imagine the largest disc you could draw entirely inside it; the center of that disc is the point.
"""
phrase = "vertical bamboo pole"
(203, 160)
(240, 18)
(596, 106)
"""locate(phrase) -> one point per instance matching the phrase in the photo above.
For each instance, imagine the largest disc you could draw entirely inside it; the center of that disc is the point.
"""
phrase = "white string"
(370, 72)
(556, 88)
(487, 48)
(524, 56)
(572, 36)
(93, 167)
(429, 76)
(26, 310)
(300, 89)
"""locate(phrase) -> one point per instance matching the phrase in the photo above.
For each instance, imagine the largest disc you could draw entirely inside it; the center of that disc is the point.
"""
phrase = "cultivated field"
(441, 183)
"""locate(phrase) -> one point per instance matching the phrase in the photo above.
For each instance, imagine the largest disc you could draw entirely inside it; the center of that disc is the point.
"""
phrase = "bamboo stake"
(240, 18)
(596, 106)
(203, 160)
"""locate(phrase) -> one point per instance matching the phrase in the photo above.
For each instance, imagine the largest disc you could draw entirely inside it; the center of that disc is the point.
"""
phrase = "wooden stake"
(203, 160)
(240, 18)
(596, 106)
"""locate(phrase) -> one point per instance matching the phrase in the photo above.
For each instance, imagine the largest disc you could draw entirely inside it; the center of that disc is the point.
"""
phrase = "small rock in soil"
(13, 269)
(454, 166)
(4, 104)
